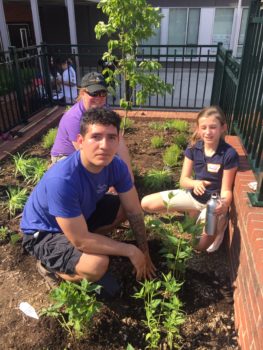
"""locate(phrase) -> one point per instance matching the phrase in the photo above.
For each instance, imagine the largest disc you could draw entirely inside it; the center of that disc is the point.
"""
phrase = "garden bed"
(206, 293)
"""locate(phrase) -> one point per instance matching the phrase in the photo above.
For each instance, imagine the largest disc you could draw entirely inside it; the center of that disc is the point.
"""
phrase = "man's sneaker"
(111, 289)
(51, 278)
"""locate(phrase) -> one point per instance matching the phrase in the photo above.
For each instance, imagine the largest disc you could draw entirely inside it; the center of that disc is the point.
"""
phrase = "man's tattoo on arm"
(137, 225)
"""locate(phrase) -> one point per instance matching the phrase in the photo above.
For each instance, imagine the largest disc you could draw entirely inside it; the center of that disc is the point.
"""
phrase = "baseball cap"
(94, 82)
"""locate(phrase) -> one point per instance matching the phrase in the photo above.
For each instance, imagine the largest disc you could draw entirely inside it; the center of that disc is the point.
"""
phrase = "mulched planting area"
(206, 293)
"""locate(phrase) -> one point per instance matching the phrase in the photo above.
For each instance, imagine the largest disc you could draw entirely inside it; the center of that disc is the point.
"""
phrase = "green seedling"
(130, 347)
(3, 233)
(16, 200)
(157, 141)
(181, 141)
(49, 139)
(171, 156)
(74, 306)
(163, 310)
(157, 180)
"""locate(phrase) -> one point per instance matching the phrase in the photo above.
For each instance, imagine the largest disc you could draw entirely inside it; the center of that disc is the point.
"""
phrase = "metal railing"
(238, 89)
(27, 84)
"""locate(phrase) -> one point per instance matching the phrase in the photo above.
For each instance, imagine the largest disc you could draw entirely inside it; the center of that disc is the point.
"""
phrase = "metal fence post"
(45, 66)
(18, 84)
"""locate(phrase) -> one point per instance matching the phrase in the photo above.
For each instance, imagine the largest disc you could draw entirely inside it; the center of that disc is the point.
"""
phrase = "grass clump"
(157, 126)
(179, 125)
(49, 139)
(157, 180)
(181, 141)
(171, 156)
(32, 169)
(16, 199)
(157, 141)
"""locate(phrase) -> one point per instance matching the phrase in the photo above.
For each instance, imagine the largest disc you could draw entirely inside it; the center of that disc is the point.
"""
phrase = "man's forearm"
(138, 227)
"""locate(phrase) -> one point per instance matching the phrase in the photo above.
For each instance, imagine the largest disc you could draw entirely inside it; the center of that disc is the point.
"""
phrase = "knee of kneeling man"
(102, 266)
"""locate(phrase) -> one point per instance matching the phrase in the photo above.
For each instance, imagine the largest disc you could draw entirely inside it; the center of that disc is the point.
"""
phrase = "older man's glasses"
(102, 93)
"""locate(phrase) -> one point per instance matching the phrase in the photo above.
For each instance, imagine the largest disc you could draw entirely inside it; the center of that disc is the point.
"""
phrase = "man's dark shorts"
(55, 251)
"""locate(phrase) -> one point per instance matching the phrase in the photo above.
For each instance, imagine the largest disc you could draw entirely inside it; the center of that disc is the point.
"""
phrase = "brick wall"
(245, 245)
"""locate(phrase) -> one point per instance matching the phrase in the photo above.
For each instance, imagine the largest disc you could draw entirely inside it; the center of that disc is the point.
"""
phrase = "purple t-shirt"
(68, 129)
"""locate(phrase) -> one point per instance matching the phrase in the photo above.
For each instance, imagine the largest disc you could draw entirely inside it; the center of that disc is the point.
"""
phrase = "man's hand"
(138, 260)
(199, 186)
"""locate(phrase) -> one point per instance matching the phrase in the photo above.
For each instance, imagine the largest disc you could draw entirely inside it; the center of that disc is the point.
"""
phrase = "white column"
(36, 21)
(206, 27)
(236, 28)
(3, 28)
(72, 21)
(73, 33)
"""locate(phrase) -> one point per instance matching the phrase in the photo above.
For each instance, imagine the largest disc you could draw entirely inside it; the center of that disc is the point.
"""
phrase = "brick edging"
(245, 248)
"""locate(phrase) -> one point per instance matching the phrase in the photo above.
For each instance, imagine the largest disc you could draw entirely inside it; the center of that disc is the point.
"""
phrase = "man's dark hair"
(101, 116)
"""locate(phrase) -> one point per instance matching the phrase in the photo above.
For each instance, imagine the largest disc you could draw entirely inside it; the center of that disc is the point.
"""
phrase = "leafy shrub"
(181, 141)
(171, 156)
(75, 306)
(16, 199)
(157, 141)
(157, 180)
(49, 138)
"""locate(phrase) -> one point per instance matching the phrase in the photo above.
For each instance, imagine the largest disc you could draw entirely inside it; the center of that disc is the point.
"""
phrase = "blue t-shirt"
(211, 168)
(68, 190)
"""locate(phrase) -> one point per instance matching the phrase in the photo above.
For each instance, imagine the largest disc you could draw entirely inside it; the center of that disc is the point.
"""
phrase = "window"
(183, 27)
(153, 40)
(223, 26)
(242, 32)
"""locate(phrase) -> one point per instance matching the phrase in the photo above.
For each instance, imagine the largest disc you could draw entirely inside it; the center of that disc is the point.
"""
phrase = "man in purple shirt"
(92, 94)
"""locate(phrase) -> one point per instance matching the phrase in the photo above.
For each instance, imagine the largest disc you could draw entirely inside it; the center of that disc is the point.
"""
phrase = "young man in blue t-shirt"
(68, 210)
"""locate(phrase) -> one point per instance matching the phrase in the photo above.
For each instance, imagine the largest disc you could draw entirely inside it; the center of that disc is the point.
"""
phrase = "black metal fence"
(238, 89)
(27, 77)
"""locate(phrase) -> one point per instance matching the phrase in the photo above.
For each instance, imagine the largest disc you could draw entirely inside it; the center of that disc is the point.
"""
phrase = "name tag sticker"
(213, 168)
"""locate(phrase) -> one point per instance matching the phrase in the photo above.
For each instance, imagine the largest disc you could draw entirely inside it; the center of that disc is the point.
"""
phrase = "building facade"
(198, 22)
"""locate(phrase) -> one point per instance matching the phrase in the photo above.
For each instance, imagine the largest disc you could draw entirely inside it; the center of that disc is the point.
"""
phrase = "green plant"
(49, 138)
(32, 169)
(157, 126)
(130, 22)
(16, 199)
(179, 125)
(171, 156)
(181, 141)
(14, 238)
(157, 141)
(157, 179)
(126, 124)
(162, 309)
(75, 306)
(3, 233)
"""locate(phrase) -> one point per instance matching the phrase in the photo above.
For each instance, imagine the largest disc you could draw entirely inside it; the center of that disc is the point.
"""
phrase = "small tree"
(130, 22)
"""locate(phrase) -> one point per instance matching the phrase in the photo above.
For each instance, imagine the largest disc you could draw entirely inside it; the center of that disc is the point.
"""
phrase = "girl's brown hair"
(211, 111)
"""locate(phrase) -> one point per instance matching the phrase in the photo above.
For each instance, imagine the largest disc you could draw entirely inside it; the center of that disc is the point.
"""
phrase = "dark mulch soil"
(206, 293)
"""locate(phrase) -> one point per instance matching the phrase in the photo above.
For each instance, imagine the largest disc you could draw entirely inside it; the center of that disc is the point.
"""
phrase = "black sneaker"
(111, 289)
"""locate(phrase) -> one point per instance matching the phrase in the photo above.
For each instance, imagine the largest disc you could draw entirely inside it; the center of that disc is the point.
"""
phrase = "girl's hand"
(199, 186)
(222, 207)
